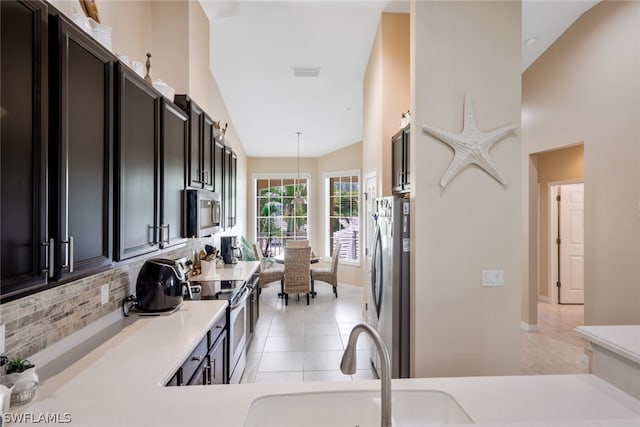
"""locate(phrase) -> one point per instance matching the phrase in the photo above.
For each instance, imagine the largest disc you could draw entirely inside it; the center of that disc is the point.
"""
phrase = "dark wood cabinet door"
(400, 161)
(23, 147)
(80, 161)
(234, 188)
(397, 161)
(207, 153)
(136, 172)
(406, 157)
(218, 167)
(173, 149)
(218, 361)
(228, 187)
(195, 175)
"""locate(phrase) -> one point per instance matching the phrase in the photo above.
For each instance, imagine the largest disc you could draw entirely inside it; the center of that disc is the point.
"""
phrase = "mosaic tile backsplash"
(37, 321)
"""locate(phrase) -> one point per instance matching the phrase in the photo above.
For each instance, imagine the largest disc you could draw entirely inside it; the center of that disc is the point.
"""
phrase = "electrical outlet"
(104, 293)
(492, 277)
(2, 339)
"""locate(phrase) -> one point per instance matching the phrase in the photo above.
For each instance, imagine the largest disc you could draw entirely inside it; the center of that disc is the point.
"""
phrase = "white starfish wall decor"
(471, 145)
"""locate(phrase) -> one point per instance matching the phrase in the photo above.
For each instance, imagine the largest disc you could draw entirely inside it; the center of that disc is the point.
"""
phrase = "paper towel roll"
(207, 269)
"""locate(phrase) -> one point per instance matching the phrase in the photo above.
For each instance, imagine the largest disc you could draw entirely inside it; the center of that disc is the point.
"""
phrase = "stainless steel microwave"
(202, 212)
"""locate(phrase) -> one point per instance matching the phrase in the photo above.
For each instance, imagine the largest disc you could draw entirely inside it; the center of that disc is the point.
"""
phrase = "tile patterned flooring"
(555, 348)
(305, 343)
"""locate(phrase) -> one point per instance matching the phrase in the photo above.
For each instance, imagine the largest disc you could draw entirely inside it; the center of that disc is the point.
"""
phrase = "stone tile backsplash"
(37, 321)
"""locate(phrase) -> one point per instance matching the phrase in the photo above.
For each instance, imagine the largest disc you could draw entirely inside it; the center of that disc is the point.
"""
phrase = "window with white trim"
(343, 214)
(278, 218)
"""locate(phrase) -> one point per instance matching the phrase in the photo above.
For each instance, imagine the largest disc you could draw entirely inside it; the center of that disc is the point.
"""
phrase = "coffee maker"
(230, 250)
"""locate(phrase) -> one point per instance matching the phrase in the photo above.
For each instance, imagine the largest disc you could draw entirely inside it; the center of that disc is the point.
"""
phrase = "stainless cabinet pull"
(168, 227)
(69, 264)
(50, 248)
(196, 359)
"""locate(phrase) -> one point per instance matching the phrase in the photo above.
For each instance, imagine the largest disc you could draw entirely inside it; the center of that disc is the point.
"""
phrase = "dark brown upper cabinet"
(137, 186)
(80, 166)
(218, 166)
(229, 193)
(24, 129)
(200, 156)
(400, 161)
(173, 148)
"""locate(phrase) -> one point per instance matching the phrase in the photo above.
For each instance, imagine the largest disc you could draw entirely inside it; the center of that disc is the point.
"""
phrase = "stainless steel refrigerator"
(390, 282)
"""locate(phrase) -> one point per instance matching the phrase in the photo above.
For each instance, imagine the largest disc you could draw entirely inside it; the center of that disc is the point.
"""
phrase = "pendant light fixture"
(298, 199)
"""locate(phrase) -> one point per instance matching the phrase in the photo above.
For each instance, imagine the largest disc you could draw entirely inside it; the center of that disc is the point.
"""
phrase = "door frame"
(369, 198)
(552, 262)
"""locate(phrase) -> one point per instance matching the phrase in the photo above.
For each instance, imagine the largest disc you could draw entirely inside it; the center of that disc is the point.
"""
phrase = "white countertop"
(120, 383)
(240, 271)
(623, 340)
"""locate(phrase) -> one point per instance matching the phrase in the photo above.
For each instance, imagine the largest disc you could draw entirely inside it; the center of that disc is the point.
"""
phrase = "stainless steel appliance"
(390, 282)
(230, 249)
(161, 283)
(202, 212)
(237, 292)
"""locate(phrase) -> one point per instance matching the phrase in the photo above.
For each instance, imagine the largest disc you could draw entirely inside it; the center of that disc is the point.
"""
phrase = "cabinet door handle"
(213, 371)
(168, 227)
(196, 359)
(50, 248)
(69, 243)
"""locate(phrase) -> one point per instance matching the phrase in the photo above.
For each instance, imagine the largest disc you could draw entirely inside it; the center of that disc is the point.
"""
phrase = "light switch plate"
(104, 294)
(492, 277)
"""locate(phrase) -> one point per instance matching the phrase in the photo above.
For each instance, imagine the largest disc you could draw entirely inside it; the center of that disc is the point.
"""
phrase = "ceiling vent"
(306, 71)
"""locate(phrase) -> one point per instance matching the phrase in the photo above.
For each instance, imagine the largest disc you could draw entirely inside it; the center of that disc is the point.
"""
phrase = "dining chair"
(297, 244)
(297, 277)
(328, 275)
(268, 273)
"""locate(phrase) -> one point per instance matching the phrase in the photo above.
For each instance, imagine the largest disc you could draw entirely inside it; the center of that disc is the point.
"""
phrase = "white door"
(371, 193)
(572, 244)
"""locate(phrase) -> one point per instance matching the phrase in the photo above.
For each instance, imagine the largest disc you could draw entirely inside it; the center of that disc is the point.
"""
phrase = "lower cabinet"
(207, 364)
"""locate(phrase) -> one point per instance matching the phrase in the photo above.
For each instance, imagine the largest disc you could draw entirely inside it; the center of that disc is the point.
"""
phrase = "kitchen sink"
(355, 408)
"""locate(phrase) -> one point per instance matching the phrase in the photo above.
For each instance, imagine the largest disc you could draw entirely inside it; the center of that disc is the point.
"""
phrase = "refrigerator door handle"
(376, 271)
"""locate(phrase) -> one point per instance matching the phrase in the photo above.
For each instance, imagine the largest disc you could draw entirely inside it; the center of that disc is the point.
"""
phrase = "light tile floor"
(305, 343)
(301, 342)
(555, 348)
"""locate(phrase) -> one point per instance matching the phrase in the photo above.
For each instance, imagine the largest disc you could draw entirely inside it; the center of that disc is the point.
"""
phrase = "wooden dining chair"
(328, 275)
(297, 244)
(267, 273)
(297, 275)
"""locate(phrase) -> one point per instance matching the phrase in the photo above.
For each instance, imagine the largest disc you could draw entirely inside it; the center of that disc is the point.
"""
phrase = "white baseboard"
(525, 327)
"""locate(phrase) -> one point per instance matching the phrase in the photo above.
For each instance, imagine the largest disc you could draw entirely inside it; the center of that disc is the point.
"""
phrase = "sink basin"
(355, 408)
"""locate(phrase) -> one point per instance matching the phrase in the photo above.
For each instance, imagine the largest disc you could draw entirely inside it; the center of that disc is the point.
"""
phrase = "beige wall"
(460, 327)
(130, 20)
(585, 89)
(345, 159)
(557, 166)
(386, 89)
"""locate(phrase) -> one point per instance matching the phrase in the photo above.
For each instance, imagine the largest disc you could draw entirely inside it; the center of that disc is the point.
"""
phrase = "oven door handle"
(243, 299)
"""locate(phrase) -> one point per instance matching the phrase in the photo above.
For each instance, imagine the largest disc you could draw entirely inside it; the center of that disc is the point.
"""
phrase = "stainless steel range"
(237, 293)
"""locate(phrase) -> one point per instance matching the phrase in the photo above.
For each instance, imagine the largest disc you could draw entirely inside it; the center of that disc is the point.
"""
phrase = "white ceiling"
(256, 44)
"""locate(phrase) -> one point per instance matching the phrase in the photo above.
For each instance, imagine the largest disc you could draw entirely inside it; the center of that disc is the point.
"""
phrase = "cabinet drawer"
(216, 330)
(195, 358)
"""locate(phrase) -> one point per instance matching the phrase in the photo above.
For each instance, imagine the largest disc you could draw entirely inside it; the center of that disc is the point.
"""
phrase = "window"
(343, 214)
(278, 219)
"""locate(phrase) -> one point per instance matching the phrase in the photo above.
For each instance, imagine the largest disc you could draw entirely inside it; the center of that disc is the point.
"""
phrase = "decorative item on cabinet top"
(218, 131)
(90, 8)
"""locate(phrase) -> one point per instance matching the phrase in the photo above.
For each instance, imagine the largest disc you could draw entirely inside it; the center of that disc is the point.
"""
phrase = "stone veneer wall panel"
(37, 321)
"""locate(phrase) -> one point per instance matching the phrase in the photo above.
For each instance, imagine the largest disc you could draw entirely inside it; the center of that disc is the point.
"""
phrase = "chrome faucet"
(348, 366)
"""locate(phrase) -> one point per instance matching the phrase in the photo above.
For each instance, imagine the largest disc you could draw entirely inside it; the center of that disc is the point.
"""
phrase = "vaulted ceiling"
(257, 45)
